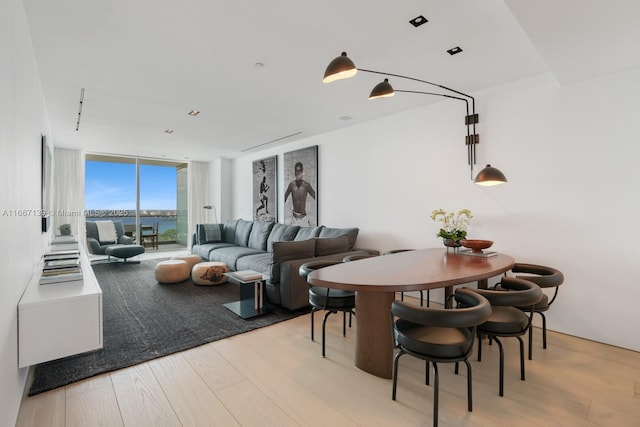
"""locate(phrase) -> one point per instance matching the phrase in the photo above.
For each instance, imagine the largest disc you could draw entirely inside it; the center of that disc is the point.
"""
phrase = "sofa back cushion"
(229, 231)
(332, 245)
(281, 233)
(243, 231)
(285, 251)
(259, 234)
(305, 233)
(208, 233)
(352, 233)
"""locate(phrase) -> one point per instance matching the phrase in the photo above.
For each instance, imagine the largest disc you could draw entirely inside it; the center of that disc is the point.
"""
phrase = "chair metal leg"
(344, 323)
(395, 373)
(544, 330)
(501, 388)
(426, 372)
(479, 340)
(324, 322)
(436, 388)
(313, 310)
(469, 388)
(521, 358)
(530, 340)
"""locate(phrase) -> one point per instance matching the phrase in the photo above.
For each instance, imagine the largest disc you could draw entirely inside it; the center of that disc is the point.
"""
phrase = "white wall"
(22, 121)
(569, 154)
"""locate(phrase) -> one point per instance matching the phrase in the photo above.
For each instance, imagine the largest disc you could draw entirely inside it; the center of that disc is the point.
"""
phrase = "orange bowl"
(477, 245)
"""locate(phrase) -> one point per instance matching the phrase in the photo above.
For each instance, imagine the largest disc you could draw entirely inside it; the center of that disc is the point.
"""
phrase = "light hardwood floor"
(275, 376)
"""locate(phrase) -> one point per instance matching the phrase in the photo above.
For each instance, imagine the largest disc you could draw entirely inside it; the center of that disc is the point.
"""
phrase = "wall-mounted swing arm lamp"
(342, 68)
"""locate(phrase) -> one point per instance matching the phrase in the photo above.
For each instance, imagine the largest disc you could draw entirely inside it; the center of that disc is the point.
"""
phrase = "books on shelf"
(61, 265)
(58, 275)
(247, 275)
(61, 254)
(483, 254)
(55, 264)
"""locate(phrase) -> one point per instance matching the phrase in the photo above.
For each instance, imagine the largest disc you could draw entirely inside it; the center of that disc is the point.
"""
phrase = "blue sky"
(111, 185)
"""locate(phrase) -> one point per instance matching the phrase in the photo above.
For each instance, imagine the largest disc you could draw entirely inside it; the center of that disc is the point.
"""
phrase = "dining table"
(377, 279)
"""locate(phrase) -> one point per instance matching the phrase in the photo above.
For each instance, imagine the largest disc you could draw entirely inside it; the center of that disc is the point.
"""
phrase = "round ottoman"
(209, 273)
(191, 260)
(172, 271)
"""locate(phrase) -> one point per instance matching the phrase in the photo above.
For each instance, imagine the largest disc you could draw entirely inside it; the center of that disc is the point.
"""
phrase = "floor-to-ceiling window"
(142, 193)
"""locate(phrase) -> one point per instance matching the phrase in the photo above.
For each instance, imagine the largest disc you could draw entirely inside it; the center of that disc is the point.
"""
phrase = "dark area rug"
(144, 320)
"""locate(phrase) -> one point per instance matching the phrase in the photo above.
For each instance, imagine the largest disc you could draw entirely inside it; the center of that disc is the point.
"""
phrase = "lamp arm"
(421, 81)
(471, 154)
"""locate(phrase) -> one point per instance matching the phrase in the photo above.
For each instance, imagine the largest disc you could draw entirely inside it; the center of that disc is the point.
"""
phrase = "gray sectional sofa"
(275, 250)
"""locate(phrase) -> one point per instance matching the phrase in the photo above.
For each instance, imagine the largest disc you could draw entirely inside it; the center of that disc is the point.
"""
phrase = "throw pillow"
(285, 251)
(208, 233)
(332, 245)
(334, 232)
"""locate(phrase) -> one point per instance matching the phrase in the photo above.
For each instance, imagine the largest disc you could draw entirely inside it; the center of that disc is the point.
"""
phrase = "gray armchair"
(97, 247)
(122, 247)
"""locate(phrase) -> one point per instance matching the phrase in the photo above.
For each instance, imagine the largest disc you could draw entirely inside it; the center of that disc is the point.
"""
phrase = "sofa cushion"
(259, 234)
(205, 250)
(281, 233)
(258, 262)
(229, 231)
(208, 233)
(231, 254)
(243, 231)
(332, 245)
(305, 233)
(334, 232)
(285, 251)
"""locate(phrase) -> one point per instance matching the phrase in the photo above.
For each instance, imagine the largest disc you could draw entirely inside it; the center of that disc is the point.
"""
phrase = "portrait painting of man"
(301, 181)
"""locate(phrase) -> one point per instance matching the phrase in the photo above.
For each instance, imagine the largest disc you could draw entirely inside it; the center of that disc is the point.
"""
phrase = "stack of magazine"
(247, 275)
(61, 264)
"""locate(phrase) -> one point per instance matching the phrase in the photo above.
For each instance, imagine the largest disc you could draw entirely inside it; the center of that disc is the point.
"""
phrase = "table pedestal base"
(374, 355)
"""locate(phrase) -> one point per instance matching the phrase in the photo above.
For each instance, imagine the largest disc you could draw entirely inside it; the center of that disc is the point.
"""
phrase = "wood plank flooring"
(276, 376)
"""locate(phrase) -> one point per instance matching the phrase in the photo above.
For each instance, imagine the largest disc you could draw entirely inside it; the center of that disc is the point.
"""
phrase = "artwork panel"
(265, 178)
(301, 195)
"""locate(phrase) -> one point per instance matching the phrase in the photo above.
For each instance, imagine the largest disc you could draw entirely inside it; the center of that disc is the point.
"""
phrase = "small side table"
(251, 302)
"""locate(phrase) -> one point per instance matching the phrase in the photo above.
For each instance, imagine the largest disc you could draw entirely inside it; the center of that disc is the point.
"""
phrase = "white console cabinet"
(59, 319)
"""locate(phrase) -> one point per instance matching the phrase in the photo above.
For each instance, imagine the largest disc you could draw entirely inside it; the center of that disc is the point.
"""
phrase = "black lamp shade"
(340, 68)
(490, 176)
(382, 90)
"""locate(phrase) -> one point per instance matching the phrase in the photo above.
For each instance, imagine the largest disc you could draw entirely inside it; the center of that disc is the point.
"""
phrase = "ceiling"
(254, 68)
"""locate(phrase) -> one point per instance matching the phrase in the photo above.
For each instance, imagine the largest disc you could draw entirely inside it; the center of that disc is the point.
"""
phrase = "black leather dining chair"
(546, 278)
(331, 300)
(508, 316)
(438, 335)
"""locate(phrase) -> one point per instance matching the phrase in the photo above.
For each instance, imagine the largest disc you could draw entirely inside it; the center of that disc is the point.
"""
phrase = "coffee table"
(251, 302)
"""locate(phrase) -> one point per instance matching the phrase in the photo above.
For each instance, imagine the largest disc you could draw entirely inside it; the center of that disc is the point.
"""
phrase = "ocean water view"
(165, 223)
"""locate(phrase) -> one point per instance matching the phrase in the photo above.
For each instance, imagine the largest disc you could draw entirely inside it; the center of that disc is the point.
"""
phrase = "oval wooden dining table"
(377, 279)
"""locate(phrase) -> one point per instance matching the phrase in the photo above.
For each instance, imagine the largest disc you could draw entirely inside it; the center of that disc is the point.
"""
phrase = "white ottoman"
(191, 260)
(172, 271)
(209, 273)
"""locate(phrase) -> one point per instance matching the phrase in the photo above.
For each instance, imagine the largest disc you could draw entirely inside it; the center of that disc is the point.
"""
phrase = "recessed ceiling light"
(418, 20)
(258, 65)
(345, 118)
(194, 112)
(454, 50)
(168, 131)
